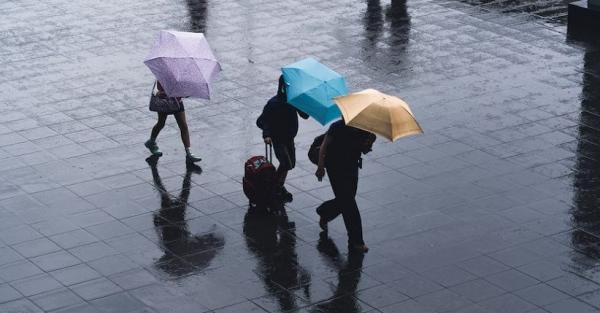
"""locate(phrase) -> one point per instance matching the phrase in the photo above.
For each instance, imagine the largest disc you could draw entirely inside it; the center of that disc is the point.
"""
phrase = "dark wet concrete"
(494, 209)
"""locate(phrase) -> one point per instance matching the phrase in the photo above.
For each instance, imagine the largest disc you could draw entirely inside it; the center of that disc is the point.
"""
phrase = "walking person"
(279, 124)
(340, 154)
(179, 115)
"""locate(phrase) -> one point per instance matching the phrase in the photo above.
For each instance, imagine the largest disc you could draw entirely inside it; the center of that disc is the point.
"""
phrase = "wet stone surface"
(494, 209)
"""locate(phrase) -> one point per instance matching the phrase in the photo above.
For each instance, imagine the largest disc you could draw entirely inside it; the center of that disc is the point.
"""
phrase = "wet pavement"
(494, 209)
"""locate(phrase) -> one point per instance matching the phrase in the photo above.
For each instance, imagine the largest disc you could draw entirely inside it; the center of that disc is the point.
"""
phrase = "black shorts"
(285, 151)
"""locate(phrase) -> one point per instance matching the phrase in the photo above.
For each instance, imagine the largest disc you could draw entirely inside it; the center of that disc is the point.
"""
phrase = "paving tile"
(515, 257)
(80, 308)
(36, 284)
(483, 266)
(121, 302)
(133, 279)
(591, 298)
(477, 290)
(415, 285)
(8, 293)
(443, 301)
(19, 234)
(20, 306)
(570, 305)
(56, 299)
(161, 298)
(36, 247)
(573, 284)
(507, 303)
(109, 230)
(380, 296)
(54, 226)
(407, 306)
(75, 274)
(112, 264)
(541, 295)
(17, 270)
(449, 276)
(55, 260)
(511, 280)
(95, 289)
(93, 251)
(241, 308)
(543, 270)
(73, 238)
(386, 271)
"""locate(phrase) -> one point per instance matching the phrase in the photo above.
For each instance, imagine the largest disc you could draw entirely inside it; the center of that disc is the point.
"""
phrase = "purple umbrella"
(183, 63)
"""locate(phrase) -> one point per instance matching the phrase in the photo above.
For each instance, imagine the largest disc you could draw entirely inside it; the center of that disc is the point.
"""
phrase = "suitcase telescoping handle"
(269, 156)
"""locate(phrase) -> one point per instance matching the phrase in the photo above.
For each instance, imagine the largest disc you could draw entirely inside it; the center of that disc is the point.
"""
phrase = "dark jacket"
(344, 150)
(279, 119)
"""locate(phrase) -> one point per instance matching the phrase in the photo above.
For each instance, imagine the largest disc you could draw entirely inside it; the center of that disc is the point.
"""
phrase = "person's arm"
(322, 153)
(161, 91)
(302, 114)
(263, 123)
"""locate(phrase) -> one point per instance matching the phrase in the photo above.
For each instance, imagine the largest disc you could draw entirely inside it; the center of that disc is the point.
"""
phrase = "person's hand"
(268, 140)
(320, 173)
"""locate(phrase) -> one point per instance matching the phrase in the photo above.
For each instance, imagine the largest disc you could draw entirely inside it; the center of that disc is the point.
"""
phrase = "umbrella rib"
(330, 86)
(391, 120)
(313, 76)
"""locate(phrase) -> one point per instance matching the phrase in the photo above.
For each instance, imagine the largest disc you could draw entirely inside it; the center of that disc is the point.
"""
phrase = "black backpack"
(313, 151)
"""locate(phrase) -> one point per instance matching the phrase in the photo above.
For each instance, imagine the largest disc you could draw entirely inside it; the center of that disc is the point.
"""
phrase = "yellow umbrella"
(374, 111)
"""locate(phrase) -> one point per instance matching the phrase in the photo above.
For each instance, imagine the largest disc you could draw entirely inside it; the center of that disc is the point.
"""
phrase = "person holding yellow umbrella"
(364, 113)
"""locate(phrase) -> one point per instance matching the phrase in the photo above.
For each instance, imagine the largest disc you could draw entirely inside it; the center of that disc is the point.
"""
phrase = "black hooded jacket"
(279, 119)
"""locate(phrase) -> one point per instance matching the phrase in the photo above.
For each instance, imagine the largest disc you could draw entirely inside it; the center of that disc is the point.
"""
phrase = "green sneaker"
(153, 147)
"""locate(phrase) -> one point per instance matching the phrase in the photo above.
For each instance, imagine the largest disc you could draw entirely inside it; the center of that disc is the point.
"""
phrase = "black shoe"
(323, 224)
(190, 158)
(285, 195)
(152, 160)
(358, 248)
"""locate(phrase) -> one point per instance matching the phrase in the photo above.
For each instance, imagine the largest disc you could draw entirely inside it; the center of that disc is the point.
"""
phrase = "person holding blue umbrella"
(279, 124)
(312, 86)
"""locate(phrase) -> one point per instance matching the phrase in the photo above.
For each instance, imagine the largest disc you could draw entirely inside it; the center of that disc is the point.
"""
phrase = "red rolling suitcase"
(259, 179)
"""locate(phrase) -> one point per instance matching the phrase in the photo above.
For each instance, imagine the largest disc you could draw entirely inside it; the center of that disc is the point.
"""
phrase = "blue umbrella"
(311, 87)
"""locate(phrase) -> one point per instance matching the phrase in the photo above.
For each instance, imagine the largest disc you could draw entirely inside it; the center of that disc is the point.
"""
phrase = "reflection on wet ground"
(272, 240)
(184, 252)
(493, 209)
(197, 10)
(349, 271)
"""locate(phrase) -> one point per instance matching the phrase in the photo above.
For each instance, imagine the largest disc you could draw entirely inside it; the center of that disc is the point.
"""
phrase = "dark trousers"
(344, 184)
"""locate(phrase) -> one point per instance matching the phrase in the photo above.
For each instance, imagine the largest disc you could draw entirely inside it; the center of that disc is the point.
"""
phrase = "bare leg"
(183, 129)
(162, 118)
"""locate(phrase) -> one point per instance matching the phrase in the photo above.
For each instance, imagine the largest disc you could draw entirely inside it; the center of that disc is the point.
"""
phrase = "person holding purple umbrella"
(184, 66)
(181, 122)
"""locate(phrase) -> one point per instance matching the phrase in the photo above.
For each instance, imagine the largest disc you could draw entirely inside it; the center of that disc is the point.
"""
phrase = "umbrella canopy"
(379, 113)
(183, 63)
(311, 87)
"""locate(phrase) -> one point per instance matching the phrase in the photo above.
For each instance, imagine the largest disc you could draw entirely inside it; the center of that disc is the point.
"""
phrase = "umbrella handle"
(269, 156)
